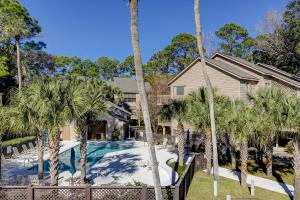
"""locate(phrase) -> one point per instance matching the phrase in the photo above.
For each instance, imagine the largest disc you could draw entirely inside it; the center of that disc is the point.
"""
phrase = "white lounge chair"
(4, 181)
(34, 180)
(16, 153)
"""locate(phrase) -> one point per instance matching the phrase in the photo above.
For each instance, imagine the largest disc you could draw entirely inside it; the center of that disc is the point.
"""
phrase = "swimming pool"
(95, 151)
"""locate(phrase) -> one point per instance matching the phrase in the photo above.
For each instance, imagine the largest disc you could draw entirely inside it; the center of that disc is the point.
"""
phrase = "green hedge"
(17, 141)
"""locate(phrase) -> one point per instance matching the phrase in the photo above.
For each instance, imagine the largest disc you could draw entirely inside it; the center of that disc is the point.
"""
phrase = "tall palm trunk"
(232, 158)
(210, 95)
(83, 144)
(54, 151)
(269, 156)
(1, 155)
(296, 163)
(18, 61)
(244, 159)
(208, 151)
(40, 149)
(181, 142)
(142, 92)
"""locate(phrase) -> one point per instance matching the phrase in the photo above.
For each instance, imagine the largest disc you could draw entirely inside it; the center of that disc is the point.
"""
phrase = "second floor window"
(129, 97)
(179, 90)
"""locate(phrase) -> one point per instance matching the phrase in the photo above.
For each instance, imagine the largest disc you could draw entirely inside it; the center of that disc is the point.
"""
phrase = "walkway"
(259, 182)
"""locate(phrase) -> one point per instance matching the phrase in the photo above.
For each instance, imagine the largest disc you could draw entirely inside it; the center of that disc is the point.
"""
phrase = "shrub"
(115, 134)
(289, 147)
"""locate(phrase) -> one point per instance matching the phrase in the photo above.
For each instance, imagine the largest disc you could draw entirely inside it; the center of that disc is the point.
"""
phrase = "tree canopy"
(235, 40)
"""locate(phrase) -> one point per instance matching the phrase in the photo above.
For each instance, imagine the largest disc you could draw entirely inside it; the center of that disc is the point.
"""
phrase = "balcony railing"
(163, 99)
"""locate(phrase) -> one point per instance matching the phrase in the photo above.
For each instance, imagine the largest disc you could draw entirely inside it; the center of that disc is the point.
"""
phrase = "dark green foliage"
(235, 40)
(174, 57)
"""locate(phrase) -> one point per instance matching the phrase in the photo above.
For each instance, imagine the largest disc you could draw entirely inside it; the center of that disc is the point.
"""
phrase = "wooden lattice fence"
(177, 192)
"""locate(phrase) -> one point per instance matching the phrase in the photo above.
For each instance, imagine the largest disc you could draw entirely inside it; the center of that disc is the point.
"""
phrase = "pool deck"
(115, 168)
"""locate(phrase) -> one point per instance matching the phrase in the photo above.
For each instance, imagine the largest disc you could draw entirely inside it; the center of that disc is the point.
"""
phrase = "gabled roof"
(275, 69)
(127, 84)
(262, 69)
(233, 71)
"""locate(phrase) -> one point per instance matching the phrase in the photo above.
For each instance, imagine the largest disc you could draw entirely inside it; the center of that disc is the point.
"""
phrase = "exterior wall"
(193, 79)
(285, 87)
(260, 77)
(134, 106)
(68, 131)
(113, 123)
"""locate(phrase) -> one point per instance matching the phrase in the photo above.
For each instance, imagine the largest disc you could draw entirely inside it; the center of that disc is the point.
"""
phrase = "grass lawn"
(17, 141)
(202, 188)
(282, 172)
(178, 168)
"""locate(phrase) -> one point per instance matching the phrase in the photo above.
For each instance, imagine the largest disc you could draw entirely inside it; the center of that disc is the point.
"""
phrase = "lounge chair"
(31, 146)
(9, 151)
(4, 181)
(16, 153)
(34, 180)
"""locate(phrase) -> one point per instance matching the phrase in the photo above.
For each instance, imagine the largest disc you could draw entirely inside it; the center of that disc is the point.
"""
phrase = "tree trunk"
(142, 92)
(244, 159)
(232, 149)
(83, 144)
(18, 63)
(232, 158)
(181, 143)
(269, 157)
(54, 151)
(40, 149)
(296, 163)
(208, 151)
(210, 94)
(1, 155)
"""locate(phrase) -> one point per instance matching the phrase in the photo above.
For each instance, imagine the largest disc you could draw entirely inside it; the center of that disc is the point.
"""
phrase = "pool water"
(95, 151)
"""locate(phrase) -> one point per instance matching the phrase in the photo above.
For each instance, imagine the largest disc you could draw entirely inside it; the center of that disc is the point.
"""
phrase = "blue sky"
(94, 28)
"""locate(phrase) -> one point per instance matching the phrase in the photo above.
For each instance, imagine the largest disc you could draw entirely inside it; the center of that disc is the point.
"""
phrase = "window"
(179, 90)
(128, 97)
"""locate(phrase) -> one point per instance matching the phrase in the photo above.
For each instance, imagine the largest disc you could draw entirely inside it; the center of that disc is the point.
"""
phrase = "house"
(130, 94)
(231, 76)
(116, 118)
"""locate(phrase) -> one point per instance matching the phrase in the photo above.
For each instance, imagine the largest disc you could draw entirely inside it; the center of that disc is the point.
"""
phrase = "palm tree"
(268, 103)
(86, 104)
(54, 111)
(142, 92)
(227, 127)
(292, 107)
(245, 121)
(176, 109)
(28, 118)
(4, 126)
(197, 112)
(210, 95)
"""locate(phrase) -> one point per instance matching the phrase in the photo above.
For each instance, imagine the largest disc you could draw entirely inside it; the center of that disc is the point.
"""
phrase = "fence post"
(176, 193)
(30, 193)
(144, 193)
(88, 192)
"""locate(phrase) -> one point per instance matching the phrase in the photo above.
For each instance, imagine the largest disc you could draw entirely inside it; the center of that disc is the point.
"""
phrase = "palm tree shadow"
(281, 167)
(116, 165)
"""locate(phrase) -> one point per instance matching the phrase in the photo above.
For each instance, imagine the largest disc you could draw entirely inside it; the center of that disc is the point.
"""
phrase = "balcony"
(163, 99)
